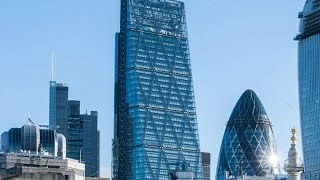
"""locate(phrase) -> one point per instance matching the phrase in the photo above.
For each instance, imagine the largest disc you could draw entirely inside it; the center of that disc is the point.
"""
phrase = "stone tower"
(293, 165)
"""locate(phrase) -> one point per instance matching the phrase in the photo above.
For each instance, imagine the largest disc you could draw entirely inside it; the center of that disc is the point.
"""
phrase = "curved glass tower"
(309, 86)
(248, 143)
(156, 129)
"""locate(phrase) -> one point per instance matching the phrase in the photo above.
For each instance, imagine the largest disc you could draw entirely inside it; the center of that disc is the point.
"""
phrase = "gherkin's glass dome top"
(248, 143)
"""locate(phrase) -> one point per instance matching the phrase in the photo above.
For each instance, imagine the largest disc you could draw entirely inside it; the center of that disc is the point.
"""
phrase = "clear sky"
(235, 45)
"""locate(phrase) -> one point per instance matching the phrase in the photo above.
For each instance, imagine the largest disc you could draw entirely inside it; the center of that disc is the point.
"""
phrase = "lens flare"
(273, 160)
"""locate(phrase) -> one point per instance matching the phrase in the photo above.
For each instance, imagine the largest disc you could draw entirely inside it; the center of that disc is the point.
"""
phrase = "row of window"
(155, 43)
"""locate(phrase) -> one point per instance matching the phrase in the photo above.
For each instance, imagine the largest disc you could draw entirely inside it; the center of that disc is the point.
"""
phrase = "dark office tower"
(58, 107)
(156, 129)
(91, 143)
(206, 165)
(83, 138)
(75, 130)
(248, 146)
(309, 87)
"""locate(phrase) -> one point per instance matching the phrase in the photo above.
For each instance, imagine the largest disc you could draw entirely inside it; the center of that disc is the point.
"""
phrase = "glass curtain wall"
(309, 86)
(248, 144)
(156, 129)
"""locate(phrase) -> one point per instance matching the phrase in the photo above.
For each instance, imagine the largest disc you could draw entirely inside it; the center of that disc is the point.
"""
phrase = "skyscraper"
(91, 143)
(58, 106)
(80, 130)
(155, 129)
(309, 86)
(75, 129)
(248, 146)
(83, 138)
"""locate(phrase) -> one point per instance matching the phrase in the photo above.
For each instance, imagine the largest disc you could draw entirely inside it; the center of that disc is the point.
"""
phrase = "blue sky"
(235, 45)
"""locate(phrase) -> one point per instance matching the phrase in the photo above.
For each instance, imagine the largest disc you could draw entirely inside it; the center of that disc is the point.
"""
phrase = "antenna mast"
(52, 66)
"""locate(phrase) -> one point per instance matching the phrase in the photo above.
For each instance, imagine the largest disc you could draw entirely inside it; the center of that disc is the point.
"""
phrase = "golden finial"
(294, 135)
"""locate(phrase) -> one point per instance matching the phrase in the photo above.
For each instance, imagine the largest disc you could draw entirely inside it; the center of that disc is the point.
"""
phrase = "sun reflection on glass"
(273, 160)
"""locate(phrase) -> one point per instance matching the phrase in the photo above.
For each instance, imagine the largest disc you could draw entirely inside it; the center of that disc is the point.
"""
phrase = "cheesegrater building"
(155, 128)
(248, 144)
(309, 87)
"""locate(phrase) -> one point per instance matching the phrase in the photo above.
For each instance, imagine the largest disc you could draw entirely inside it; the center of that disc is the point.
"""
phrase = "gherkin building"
(248, 143)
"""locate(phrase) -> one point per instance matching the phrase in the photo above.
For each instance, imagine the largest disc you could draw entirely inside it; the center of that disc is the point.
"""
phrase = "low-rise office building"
(96, 178)
(205, 159)
(30, 137)
(18, 166)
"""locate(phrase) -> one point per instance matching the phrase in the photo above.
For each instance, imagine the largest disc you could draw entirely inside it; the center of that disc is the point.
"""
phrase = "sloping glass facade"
(248, 142)
(155, 117)
(309, 87)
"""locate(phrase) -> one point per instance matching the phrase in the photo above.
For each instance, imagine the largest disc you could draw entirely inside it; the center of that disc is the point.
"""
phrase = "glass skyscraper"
(248, 146)
(58, 107)
(80, 130)
(91, 143)
(156, 129)
(309, 86)
(83, 141)
(75, 129)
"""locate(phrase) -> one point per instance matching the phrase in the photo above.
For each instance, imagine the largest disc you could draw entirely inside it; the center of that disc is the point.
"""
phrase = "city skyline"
(80, 130)
(34, 35)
